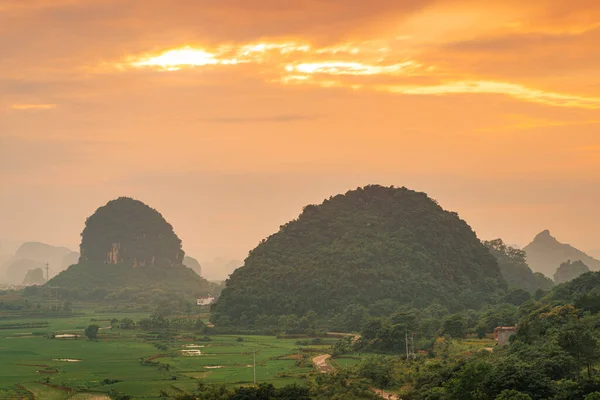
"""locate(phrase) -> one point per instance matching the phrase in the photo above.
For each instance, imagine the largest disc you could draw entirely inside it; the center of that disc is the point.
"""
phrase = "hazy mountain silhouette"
(193, 264)
(219, 269)
(35, 277)
(546, 253)
(33, 255)
(569, 271)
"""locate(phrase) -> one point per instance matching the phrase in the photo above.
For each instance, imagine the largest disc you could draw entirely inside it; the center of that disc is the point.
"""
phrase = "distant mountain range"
(219, 269)
(35, 255)
(595, 253)
(545, 254)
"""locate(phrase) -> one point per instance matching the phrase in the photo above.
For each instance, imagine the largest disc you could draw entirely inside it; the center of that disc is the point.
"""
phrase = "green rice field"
(35, 366)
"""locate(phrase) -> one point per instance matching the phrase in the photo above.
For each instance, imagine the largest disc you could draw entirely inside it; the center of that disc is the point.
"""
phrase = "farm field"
(32, 365)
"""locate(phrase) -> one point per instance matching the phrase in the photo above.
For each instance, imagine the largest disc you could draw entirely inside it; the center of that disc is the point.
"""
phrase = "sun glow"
(173, 60)
(489, 87)
(343, 66)
(349, 68)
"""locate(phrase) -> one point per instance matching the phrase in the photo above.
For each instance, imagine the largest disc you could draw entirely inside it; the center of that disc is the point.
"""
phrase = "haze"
(229, 116)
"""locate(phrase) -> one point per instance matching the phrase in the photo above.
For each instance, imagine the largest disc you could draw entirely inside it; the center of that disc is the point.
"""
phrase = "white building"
(205, 301)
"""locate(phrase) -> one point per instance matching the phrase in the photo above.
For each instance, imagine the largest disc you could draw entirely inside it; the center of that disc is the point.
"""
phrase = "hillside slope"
(371, 244)
(119, 282)
(514, 268)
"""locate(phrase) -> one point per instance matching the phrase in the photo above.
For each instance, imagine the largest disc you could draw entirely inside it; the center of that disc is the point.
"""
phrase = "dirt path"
(324, 367)
(386, 395)
(322, 364)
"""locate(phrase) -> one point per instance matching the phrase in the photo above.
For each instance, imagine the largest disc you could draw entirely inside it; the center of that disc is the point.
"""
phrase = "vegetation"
(514, 268)
(91, 332)
(130, 253)
(166, 357)
(418, 295)
(114, 283)
(373, 244)
(135, 233)
(569, 271)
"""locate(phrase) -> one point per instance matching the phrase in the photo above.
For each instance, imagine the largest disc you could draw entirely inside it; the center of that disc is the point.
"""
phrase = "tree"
(469, 382)
(127, 323)
(578, 339)
(378, 369)
(455, 326)
(92, 331)
(592, 396)
(514, 268)
(510, 394)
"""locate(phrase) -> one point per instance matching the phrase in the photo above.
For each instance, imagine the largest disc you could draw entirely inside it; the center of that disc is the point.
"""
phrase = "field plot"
(136, 362)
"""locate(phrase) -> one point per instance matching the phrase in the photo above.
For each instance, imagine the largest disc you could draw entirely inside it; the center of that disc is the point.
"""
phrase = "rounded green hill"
(127, 231)
(128, 246)
(371, 244)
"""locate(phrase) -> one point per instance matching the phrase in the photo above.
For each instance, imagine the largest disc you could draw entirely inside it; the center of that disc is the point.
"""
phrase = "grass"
(30, 359)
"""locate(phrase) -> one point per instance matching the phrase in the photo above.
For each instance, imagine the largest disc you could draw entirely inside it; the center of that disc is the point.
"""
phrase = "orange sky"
(229, 116)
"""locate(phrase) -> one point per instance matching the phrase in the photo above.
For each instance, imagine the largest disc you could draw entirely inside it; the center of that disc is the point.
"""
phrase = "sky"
(229, 116)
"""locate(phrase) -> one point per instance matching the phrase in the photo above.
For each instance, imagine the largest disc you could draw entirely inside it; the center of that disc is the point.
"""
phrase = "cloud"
(536, 52)
(33, 106)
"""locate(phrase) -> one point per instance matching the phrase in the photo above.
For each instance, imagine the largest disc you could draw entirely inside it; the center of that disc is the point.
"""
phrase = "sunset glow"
(216, 106)
(33, 106)
(302, 64)
(173, 60)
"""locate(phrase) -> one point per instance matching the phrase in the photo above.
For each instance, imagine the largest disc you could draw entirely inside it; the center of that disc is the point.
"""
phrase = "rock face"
(127, 231)
(569, 271)
(545, 253)
(371, 244)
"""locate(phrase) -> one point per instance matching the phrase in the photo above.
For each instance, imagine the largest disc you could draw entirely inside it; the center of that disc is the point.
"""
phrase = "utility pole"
(406, 343)
(47, 272)
(254, 359)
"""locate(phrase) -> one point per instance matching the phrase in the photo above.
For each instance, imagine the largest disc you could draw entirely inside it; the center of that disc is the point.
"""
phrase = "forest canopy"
(371, 244)
(127, 231)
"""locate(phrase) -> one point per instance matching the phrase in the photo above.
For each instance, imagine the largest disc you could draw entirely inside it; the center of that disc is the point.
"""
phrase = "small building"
(205, 301)
(502, 334)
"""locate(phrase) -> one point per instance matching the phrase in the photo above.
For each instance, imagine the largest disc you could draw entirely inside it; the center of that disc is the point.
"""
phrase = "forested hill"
(371, 244)
(127, 231)
(129, 251)
(514, 268)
